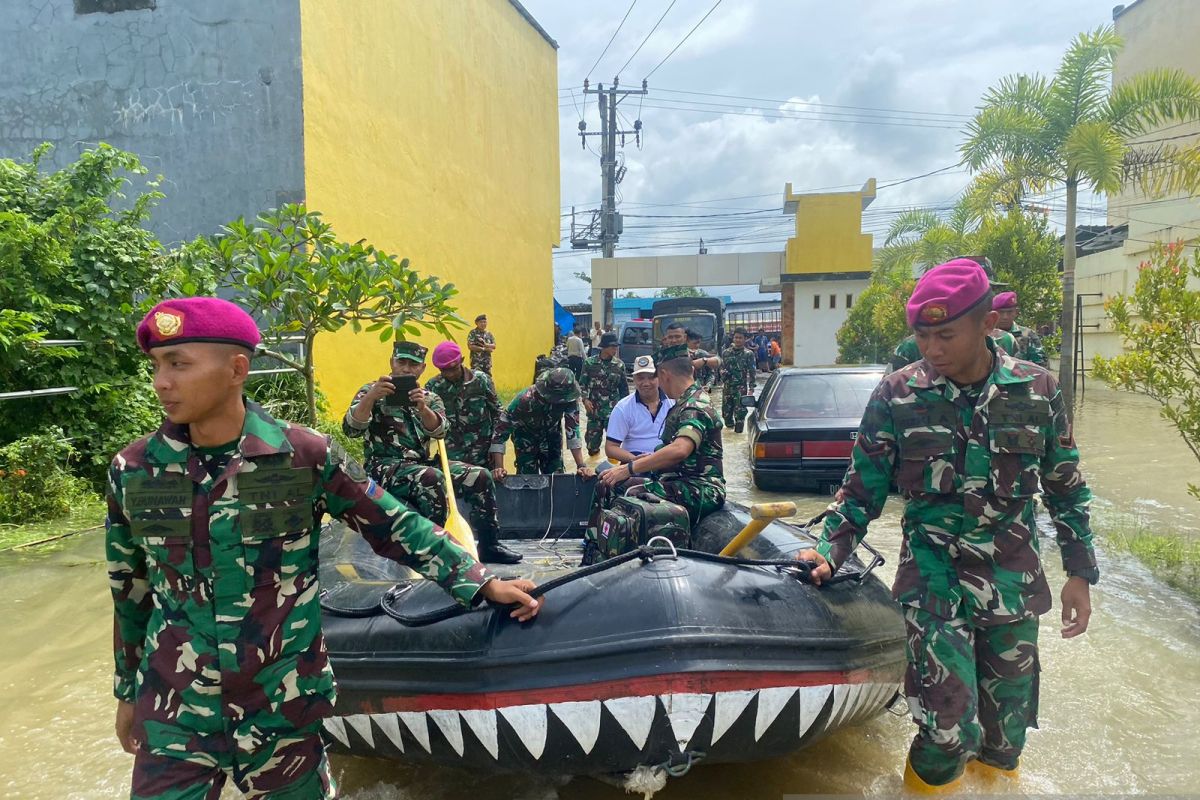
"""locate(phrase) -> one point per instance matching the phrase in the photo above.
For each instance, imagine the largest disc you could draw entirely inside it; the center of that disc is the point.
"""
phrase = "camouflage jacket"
(907, 352)
(535, 424)
(693, 417)
(217, 625)
(603, 382)
(394, 434)
(1028, 345)
(738, 369)
(480, 361)
(706, 376)
(968, 471)
(472, 413)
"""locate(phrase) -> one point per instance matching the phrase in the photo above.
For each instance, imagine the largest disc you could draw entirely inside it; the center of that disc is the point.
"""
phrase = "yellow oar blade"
(456, 525)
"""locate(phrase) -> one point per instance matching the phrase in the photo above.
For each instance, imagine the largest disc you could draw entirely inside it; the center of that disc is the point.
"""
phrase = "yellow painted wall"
(829, 235)
(431, 130)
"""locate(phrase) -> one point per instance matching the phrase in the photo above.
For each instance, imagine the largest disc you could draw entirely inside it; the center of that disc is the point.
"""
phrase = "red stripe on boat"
(678, 683)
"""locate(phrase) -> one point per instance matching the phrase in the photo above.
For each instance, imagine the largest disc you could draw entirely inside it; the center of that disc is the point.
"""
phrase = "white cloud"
(917, 55)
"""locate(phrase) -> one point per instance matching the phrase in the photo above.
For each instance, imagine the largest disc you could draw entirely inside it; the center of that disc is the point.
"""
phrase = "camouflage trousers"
(596, 424)
(538, 458)
(732, 410)
(422, 487)
(700, 498)
(973, 692)
(292, 767)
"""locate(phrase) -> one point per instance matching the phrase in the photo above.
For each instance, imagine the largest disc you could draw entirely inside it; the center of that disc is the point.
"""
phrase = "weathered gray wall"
(207, 92)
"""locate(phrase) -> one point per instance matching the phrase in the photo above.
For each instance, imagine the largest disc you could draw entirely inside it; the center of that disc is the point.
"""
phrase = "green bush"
(109, 418)
(283, 396)
(76, 262)
(35, 483)
(353, 446)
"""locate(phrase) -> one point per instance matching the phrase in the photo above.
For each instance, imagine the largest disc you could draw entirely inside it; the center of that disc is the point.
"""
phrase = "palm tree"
(923, 238)
(1032, 134)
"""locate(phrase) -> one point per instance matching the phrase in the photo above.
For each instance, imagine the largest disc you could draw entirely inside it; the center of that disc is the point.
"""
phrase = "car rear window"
(703, 324)
(636, 336)
(826, 395)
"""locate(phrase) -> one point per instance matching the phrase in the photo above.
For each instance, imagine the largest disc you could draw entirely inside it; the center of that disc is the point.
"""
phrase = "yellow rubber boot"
(914, 783)
(989, 774)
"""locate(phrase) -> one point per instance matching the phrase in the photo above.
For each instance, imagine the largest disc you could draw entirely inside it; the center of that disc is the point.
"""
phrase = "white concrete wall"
(816, 328)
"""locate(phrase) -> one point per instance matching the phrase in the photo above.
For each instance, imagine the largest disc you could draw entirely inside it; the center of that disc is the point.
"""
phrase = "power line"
(610, 39)
(822, 105)
(918, 177)
(800, 113)
(681, 41)
(648, 35)
(792, 116)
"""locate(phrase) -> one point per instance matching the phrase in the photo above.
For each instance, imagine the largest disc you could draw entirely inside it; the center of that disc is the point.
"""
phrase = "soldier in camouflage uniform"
(400, 454)
(706, 365)
(602, 383)
(687, 468)
(1028, 343)
(535, 420)
(969, 435)
(212, 544)
(482, 344)
(738, 369)
(472, 406)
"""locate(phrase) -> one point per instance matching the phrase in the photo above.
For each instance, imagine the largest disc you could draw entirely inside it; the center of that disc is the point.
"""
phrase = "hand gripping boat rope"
(800, 570)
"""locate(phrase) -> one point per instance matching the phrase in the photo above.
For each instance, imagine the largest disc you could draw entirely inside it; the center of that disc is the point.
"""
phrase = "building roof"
(536, 25)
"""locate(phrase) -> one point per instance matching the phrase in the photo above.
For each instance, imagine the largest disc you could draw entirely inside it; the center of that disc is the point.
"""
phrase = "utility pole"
(605, 228)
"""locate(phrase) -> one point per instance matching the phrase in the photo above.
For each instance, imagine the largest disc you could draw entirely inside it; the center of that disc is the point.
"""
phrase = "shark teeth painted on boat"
(637, 717)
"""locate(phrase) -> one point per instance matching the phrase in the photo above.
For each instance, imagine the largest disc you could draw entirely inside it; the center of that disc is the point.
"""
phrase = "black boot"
(739, 427)
(492, 552)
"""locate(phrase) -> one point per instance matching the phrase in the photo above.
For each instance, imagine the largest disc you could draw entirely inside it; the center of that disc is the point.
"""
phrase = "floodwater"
(1118, 714)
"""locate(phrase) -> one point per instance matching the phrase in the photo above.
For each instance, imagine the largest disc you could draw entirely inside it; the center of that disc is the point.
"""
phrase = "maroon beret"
(946, 292)
(1004, 300)
(197, 319)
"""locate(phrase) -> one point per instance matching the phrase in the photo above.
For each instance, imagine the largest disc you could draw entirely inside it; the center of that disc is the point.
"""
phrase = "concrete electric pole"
(605, 227)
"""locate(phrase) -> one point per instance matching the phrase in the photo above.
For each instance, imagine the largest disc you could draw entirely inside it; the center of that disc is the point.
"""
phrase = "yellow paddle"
(761, 515)
(456, 525)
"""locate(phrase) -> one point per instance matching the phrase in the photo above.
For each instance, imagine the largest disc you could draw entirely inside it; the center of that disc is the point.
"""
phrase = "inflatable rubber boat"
(658, 659)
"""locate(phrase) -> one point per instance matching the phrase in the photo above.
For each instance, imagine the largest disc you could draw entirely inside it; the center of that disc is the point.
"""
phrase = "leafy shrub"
(35, 483)
(284, 396)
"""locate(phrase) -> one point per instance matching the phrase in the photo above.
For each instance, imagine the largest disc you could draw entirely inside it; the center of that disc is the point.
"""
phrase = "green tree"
(76, 262)
(1075, 130)
(876, 323)
(1160, 323)
(294, 274)
(922, 238)
(682, 291)
(1024, 253)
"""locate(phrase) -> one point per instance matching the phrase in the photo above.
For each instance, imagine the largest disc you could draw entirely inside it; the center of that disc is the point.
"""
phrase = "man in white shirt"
(576, 350)
(636, 425)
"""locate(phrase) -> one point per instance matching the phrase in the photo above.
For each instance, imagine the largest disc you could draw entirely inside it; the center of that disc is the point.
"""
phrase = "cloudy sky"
(816, 93)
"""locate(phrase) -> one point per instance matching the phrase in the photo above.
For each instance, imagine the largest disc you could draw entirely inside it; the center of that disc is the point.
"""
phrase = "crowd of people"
(213, 520)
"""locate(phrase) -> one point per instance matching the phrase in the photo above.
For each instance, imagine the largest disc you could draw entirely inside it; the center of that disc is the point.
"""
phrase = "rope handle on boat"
(800, 570)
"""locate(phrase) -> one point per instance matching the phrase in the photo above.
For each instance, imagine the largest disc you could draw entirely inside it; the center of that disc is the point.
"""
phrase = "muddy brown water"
(1119, 710)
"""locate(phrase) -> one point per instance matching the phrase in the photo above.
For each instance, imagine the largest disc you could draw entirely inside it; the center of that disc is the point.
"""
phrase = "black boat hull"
(647, 663)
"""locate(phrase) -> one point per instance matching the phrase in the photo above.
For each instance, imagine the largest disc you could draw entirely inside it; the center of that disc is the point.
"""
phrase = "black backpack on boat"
(633, 521)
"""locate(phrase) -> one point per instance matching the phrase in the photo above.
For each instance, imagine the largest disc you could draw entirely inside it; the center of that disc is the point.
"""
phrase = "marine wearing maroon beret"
(1004, 300)
(946, 292)
(197, 319)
